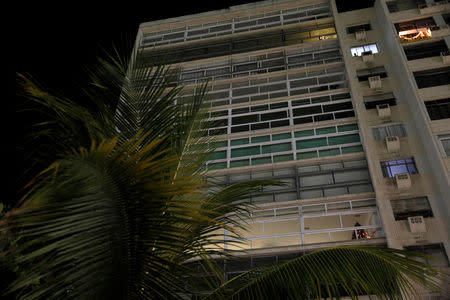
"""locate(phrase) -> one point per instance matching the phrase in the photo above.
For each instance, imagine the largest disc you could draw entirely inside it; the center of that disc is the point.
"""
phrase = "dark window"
(219, 123)
(237, 111)
(364, 75)
(260, 126)
(279, 123)
(438, 109)
(278, 105)
(353, 29)
(392, 6)
(244, 119)
(348, 5)
(219, 113)
(435, 250)
(340, 96)
(218, 131)
(337, 106)
(259, 108)
(239, 128)
(323, 117)
(392, 167)
(371, 102)
(274, 115)
(307, 110)
(303, 120)
(404, 208)
(344, 114)
(433, 77)
(425, 50)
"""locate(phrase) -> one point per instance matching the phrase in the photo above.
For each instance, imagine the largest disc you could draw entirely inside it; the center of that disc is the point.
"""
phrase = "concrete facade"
(290, 89)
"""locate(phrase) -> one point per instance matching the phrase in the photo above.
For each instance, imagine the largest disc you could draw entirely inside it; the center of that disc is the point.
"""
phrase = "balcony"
(432, 8)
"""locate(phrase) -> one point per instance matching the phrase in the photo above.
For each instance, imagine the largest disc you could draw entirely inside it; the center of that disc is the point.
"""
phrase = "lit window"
(357, 51)
(392, 167)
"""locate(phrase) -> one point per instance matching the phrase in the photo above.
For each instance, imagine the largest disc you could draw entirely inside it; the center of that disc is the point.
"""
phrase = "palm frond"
(334, 273)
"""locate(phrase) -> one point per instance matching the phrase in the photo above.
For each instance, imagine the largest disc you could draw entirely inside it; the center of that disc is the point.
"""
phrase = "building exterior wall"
(290, 102)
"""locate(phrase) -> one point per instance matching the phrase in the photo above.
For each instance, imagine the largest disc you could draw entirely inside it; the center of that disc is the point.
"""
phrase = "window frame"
(370, 48)
(387, 169)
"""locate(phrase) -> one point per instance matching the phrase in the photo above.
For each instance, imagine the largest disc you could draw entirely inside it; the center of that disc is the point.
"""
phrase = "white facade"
(333, 105)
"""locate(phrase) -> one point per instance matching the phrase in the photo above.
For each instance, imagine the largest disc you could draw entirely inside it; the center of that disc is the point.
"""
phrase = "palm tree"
(124, 203)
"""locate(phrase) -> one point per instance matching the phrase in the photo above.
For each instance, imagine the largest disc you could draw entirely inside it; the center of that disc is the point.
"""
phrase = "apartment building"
(349, 108)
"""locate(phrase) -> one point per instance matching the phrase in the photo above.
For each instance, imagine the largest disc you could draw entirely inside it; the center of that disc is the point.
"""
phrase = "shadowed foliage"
(124, 203)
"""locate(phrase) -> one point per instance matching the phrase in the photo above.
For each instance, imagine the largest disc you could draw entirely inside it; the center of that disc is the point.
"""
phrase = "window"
(445, 141)
(358, 51)
(354, 28)
(435, 250)
(425, 50)
(372, 101)
(380, 133)
(438, 109)
(364, 75)
(404, 208)
(392, 167)
(433, 77)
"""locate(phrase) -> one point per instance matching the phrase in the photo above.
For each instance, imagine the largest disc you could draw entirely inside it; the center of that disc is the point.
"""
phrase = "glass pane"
(352, 149)
(260, 139)
(353, 175)
(281, 136)
(329, 152)
(219, 155)
(311, 194)
(239, 142)
(289, 240)
(281, 158)
(216, 166)
(276, 148)
(312, 180)
(261, 160)
(325, 130)
(313, 143)
(238, 152)
(336, 191)
(304, 133)
(285, 196)
(306, 155)
(348, 127)
(344, 139)
(360, 188)
(239, 163)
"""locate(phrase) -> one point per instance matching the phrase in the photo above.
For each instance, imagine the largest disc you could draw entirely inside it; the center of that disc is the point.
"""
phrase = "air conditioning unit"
(375, 82)
(392, 143)
(367, 57)
(403, 181)
(360, 35)
(417, 224)
(384, 111)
